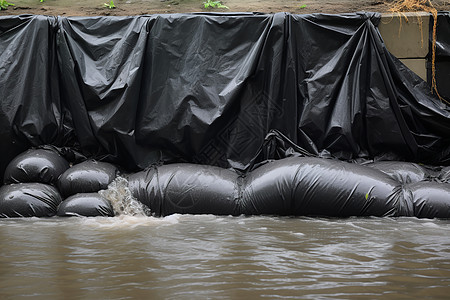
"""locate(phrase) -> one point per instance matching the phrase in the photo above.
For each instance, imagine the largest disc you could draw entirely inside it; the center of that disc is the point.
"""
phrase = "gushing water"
(122, 200)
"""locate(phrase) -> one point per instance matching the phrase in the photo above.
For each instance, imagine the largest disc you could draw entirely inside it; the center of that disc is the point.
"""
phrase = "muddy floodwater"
(210, 257)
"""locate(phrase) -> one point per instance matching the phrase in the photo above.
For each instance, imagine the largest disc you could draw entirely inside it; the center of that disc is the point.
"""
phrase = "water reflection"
(224, 257)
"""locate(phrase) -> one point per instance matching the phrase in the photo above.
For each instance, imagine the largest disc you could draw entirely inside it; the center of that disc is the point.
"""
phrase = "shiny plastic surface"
(28, 200)
(86, 177)
(208, 88)
(187, 188)
(293, 186)
(85, 205)
(403, 172)
(36, 165)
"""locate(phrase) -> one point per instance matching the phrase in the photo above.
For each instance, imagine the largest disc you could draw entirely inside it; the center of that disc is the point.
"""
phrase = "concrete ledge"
(417, 65)
(406, 35)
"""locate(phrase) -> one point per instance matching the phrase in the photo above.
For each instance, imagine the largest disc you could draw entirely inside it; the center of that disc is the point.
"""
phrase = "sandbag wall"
(40, 183)
(208, 88)
(297, 186)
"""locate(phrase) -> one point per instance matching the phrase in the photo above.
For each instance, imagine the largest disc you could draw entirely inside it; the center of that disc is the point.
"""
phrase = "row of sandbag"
(297, 186)
(300, 186)
(41, 183)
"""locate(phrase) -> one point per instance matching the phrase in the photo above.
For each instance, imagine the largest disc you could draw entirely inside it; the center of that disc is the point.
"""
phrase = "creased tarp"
(30, 110)
(229, 66)
(208, 88)
(101, 62)
(195, 73)
(355, 98)
(442, 60)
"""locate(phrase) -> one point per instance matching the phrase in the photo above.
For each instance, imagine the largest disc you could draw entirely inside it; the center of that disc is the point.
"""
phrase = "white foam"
(122, 200)
(125, 222)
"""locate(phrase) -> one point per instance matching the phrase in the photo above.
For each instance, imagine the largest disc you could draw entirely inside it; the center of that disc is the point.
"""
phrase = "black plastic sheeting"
(208, 88)
(227, 113)
(294, 186)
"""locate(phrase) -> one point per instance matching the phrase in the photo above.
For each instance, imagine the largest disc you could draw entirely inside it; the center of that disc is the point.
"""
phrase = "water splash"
(122, 200)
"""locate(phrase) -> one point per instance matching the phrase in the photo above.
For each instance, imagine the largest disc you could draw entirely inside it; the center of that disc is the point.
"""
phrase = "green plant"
(41, 1)
(4, 4)
(110, 5)
(214, 4)
(303, 6)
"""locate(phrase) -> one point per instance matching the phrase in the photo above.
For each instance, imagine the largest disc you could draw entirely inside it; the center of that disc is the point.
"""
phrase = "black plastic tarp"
(208, 88)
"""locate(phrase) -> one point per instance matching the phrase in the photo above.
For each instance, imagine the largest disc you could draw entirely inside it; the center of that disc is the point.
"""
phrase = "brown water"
(209, 257)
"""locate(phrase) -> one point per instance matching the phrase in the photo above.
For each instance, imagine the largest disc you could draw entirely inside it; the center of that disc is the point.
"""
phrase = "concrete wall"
(406, 37)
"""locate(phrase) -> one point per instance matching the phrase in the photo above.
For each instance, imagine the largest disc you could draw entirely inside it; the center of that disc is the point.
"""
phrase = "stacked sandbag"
(87, 205)
(86, 177)
(80, 184)
(28, 200)
(36, 165)
(37, 181)
(40, 183)
(29, 179)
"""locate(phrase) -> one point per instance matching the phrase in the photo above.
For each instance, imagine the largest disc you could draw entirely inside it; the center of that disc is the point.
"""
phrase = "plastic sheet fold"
(208, 89)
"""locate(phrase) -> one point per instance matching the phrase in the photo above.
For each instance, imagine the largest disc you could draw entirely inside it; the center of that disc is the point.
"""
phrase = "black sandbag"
(187, 189)
(292, 186)
(36, 165)
(28, 200)
(430, 199)
(403, 172)
(86, 205)
(321, 187)
(86, 177)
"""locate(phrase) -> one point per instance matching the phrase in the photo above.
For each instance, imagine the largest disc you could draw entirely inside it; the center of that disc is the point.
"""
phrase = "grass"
(4, 4)
(214, 4)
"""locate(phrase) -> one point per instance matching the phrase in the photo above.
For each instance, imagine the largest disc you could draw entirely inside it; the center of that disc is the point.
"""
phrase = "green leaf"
(214, 4)
(303, 6)
(4, 4)
(110, 5)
